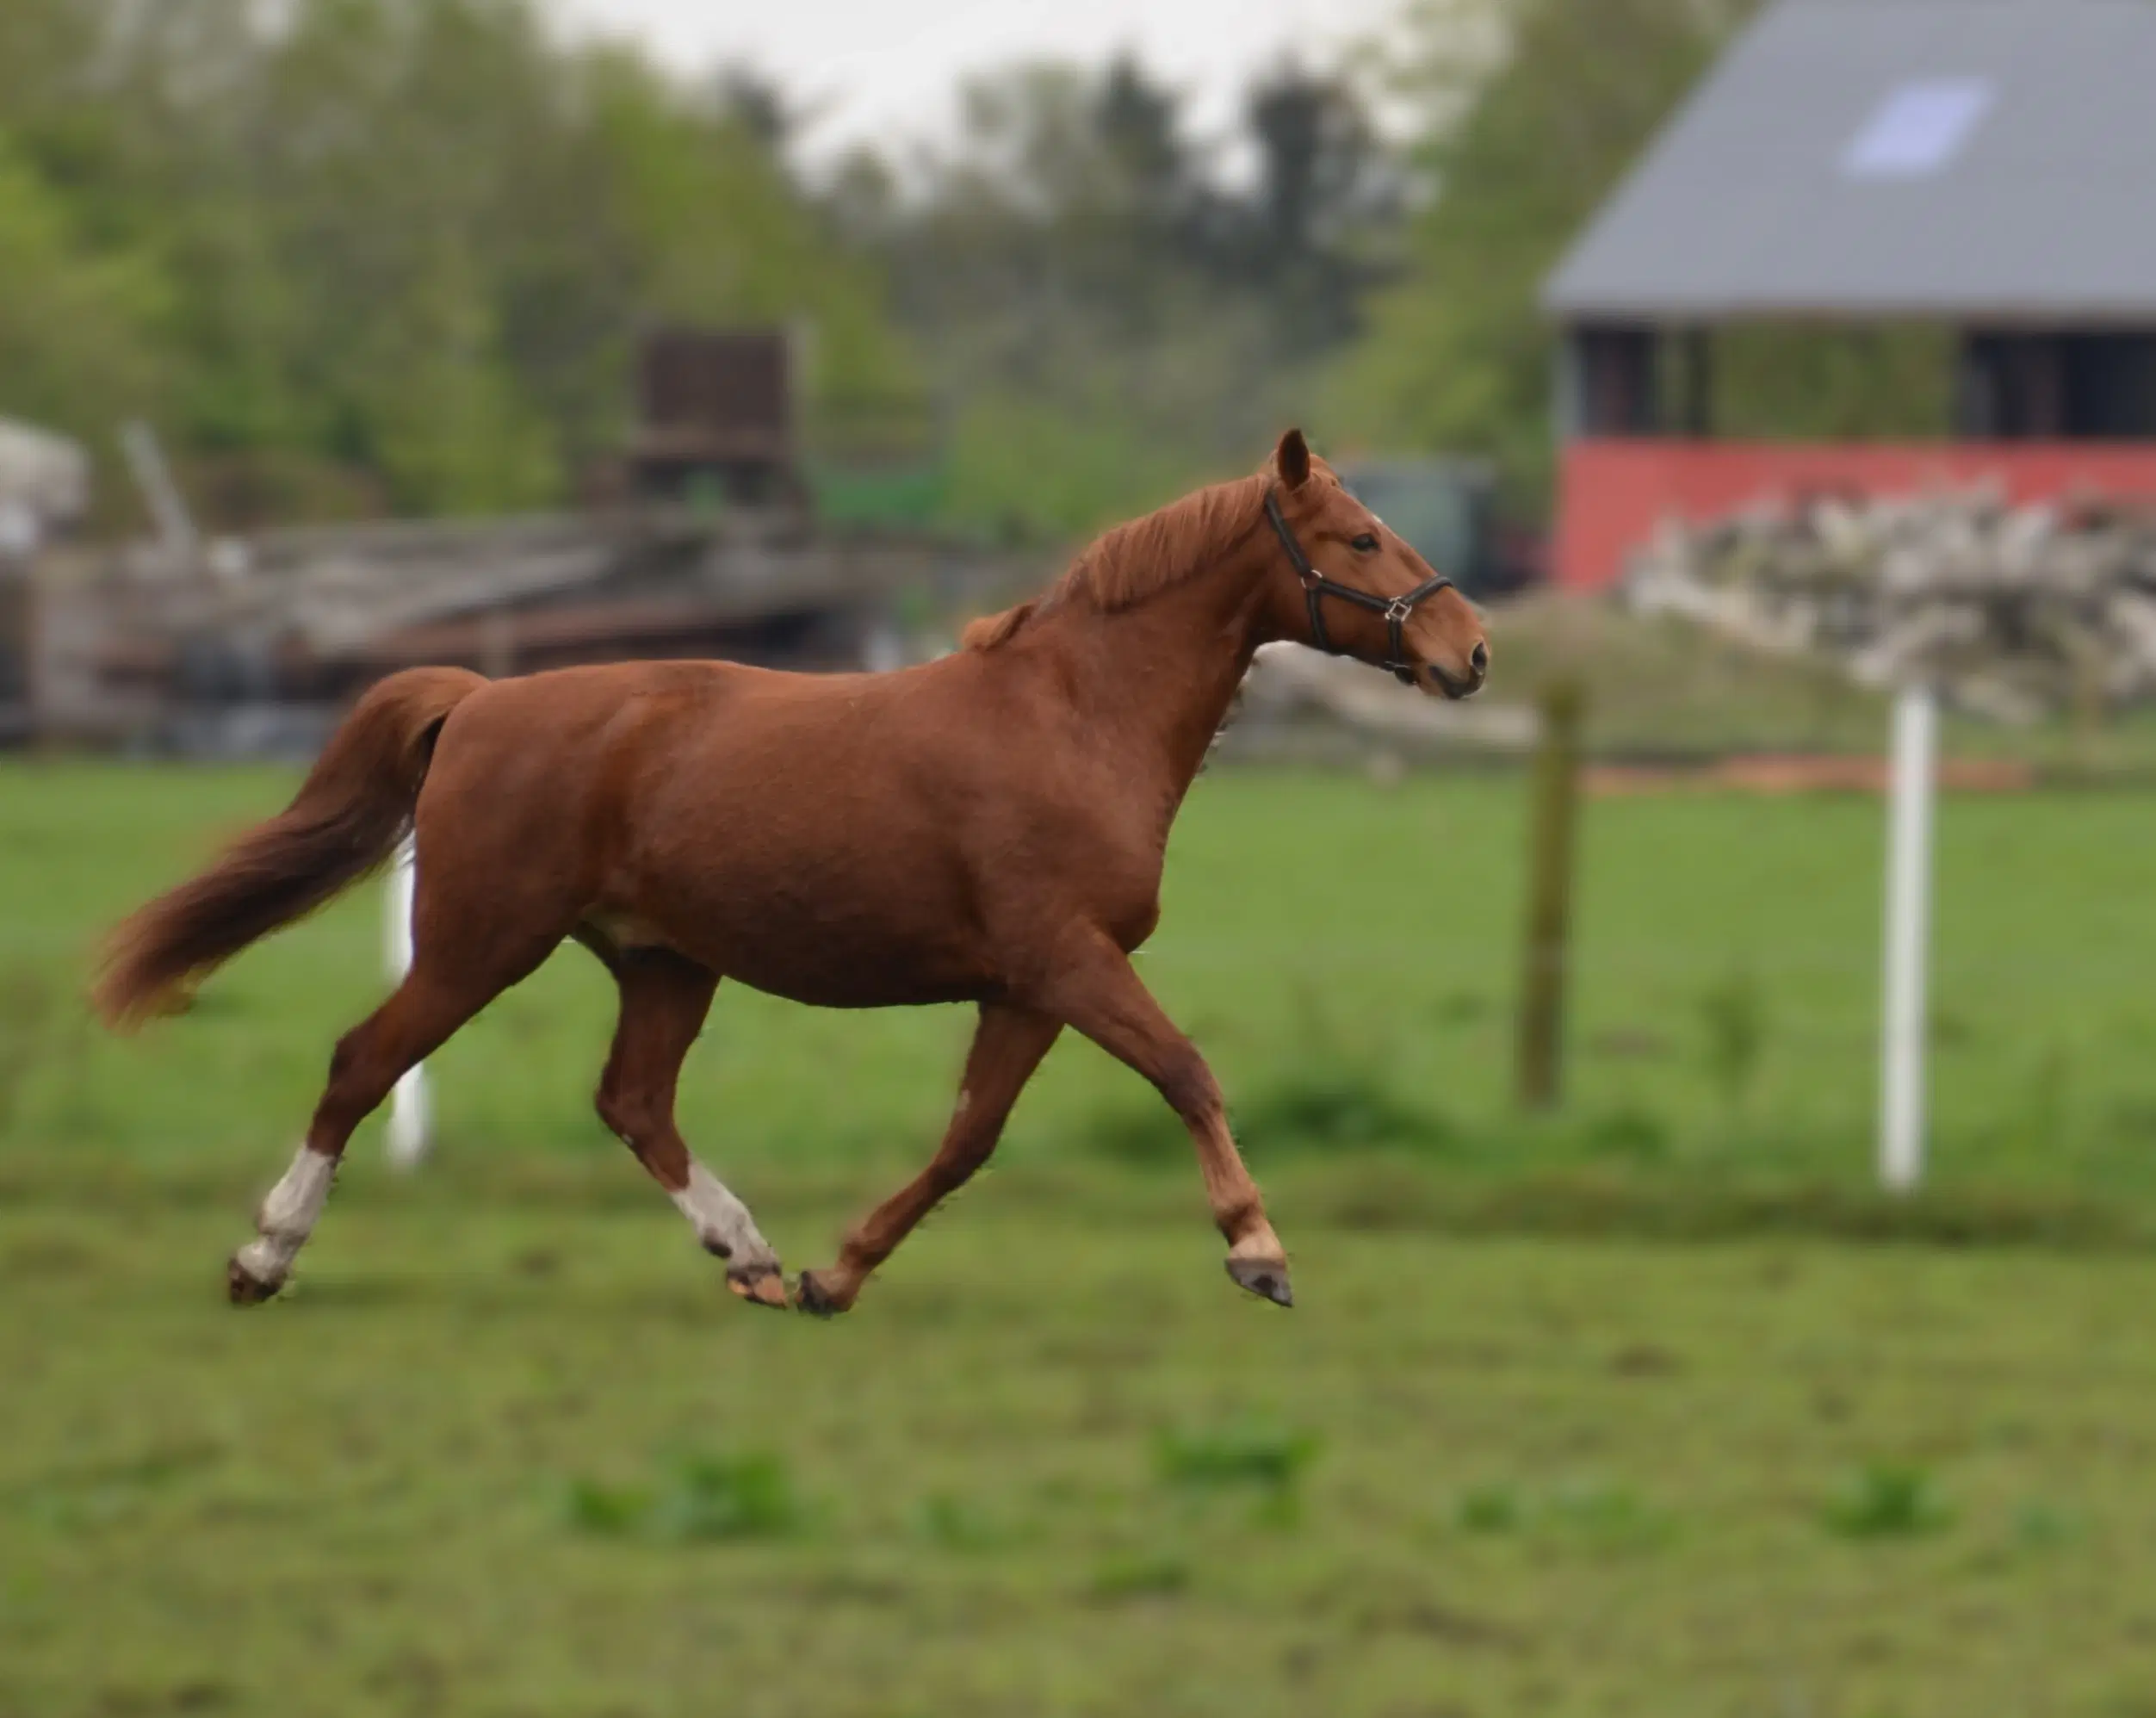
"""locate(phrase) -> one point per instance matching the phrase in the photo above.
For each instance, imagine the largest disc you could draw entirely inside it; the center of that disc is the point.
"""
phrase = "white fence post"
(408, 1129)
(1902, 1034)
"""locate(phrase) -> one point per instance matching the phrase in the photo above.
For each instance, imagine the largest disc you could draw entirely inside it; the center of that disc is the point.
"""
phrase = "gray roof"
(1972, 159)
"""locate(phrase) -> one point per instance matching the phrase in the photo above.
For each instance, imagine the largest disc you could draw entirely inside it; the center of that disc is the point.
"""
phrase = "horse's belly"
(836, 941)
(850, 972)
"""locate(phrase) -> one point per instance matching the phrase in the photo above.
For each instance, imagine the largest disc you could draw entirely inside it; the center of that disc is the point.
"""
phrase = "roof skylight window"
(1920, 129)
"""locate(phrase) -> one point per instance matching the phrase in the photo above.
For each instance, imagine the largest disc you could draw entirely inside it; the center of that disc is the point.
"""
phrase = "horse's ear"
(1293, 460)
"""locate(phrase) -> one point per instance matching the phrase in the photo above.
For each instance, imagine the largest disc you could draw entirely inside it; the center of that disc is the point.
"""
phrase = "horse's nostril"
(1478, 658)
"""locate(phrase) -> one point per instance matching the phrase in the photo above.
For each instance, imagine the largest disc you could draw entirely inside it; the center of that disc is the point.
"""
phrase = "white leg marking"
(723, 1223)
(287, 1218)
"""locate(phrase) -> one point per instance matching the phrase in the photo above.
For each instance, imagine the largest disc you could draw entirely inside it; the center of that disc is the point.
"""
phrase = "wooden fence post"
(1555, 813)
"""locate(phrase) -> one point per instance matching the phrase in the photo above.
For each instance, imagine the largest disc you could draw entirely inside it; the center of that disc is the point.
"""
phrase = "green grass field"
(1529, 1443)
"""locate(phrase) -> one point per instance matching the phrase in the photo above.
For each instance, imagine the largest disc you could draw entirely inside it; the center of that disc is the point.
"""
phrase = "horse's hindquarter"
(853, 841)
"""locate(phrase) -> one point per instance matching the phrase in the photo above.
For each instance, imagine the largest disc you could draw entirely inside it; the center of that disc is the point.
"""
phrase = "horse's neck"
(1158, 679)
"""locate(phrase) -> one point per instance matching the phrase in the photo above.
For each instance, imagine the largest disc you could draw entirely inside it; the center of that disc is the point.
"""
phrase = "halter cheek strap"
(1317, 588)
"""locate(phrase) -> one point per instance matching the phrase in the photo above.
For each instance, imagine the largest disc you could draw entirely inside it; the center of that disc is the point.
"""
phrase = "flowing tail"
(347, 818)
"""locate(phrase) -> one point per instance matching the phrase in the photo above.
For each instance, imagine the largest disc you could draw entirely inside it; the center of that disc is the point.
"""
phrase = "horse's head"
(1349, 584)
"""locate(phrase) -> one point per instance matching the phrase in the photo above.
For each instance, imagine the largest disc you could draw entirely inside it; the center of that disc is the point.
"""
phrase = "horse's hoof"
(812, 1297)
(1267, 1278)
(244, 1289)
(760, 1285)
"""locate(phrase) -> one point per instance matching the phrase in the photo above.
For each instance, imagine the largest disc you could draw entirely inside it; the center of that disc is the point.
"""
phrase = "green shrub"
(1140, 1575)
(741, 1497)
(1490, 1509)
(705, 1498)
(1888, 1500)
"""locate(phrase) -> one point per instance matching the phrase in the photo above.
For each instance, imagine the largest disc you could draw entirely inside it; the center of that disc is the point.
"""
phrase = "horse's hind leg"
(429, 1006)
(1007, 1046)
(665, 997)
(473, 936)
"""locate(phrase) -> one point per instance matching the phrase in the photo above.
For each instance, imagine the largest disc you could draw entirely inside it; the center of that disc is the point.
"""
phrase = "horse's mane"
(1125, 565)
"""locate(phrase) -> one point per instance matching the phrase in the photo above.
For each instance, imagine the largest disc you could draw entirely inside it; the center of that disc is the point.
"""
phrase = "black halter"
(1316, 586)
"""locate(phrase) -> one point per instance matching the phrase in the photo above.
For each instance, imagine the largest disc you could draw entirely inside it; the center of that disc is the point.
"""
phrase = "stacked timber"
(2014, 613)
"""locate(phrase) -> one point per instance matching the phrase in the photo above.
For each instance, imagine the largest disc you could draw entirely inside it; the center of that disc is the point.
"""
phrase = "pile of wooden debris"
(2013, 613)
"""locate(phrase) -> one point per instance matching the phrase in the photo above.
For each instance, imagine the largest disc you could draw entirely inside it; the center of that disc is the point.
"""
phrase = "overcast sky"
(886, 68)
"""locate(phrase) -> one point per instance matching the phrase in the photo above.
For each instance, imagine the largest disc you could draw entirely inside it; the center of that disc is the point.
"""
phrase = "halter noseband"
(1316, 586)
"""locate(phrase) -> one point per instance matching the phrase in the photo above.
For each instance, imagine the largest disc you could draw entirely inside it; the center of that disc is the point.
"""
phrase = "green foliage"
(2041, 1526)
(951, 1522)
(739, 1497)
(1888, 1500)
(1141, 1575)
(1109, 322)
(1329, 1107)
(1628, 1135)
(1242, 1452)
(394, 253)
(1593, 1514)
(1249, 1457)
(1833, 384)
(1495, 1508)
(405, 242)
(1609, 1516)
(1339, 1109)
(77, 345)
(1059, 466)
(1734, 1014)
(704, 1497)
(611, 1511)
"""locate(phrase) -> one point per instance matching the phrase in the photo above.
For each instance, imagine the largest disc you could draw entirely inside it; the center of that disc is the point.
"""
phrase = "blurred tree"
(76, 349)
(1323, 183)
(412, 240)
(1531, 109)
(760, 106)
(1109, 320)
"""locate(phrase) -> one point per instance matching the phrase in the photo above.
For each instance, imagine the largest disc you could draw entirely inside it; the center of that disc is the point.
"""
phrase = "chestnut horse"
(989, 828)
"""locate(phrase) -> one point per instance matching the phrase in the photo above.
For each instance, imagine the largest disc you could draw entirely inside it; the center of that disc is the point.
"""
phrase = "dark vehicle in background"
(1447, 509)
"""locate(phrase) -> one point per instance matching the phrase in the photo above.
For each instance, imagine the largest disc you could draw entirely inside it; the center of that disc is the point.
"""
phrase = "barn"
(1984, 165)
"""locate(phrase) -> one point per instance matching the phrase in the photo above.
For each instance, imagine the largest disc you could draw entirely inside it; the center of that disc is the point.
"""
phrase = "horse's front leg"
(1008, 1045)
(1099, 993)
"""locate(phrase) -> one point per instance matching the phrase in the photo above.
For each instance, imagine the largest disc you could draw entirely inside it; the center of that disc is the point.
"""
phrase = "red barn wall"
(1613, 495)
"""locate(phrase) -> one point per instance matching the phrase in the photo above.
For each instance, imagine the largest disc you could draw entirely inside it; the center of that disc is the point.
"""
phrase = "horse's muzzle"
(1454, 687)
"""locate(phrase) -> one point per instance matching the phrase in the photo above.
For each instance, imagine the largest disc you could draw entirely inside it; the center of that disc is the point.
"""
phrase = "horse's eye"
(1364, 544)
